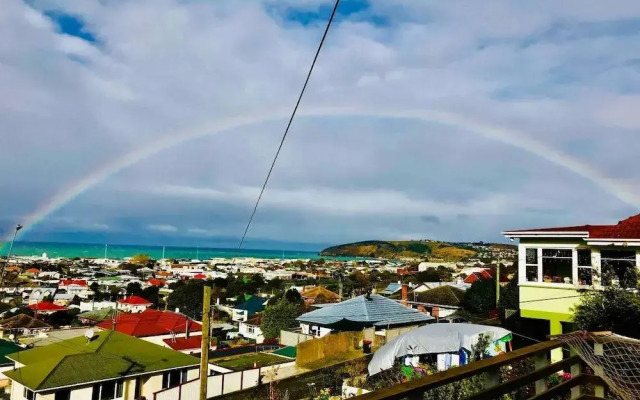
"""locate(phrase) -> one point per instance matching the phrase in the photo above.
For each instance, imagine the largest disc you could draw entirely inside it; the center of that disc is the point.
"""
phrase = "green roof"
(98, 315)
(7, 347)
(110, 355)
(289, 351)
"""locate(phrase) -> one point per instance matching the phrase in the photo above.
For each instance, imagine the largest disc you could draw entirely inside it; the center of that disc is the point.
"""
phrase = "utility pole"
(15, 233)
(497, 283)
(204, 346)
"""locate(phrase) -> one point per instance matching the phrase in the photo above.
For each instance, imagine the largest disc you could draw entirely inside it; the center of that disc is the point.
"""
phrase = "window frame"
(28, 393)
(527, 265)
(580, 267)
(118, 390)
(571, 258)
(182, 377)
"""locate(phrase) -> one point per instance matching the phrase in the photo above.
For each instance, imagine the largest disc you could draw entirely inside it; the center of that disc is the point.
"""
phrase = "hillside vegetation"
(399, 249)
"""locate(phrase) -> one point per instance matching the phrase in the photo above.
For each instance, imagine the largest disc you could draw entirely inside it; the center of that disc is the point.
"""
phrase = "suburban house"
(247, 309)
(392, 288)
(555, 263)
(188, 345)
(153, 325)
(113, 366)
(134, 304)
(40, 294)
(370, 310)
(319, 294)
(250, 328)
(23, 325)
(46, 308)
(96, 316)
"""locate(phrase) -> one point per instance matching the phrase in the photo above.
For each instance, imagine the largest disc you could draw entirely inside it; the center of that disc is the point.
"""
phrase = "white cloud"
(164, 228)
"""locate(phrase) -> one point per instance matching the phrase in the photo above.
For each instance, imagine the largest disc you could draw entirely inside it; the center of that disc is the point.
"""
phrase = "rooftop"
(109, 355)
(626, 229)
(151, 323)
(135, 300)
(374, 310)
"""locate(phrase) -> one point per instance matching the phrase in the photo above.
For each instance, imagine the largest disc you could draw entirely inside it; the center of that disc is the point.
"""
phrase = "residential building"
(250, 328)
(187, 345)
(40, 294)
(133, 304)
(247, 309)
(153, 325)
(23, 325)
(46, 308)
(319, 294)
(113, 366)
(94, 317)
(555, 263)
(370, 310)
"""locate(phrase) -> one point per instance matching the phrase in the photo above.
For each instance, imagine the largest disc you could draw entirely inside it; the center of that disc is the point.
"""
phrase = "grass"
(246, 361)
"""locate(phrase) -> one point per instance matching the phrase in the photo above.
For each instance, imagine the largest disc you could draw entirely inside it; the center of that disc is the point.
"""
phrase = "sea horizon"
(121, 251)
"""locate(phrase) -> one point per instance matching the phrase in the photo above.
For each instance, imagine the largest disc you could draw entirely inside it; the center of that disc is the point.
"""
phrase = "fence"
(217, 385)
(234, 351)
(293, 337)
(326, 346)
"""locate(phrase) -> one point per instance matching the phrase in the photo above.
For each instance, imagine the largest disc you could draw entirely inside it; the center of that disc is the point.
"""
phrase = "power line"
(284, 136)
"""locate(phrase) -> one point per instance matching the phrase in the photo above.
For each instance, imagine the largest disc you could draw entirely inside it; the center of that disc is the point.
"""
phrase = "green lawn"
(245, 361)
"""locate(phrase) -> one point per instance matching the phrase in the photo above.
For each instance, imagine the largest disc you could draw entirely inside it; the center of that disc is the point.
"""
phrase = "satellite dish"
(89, 334)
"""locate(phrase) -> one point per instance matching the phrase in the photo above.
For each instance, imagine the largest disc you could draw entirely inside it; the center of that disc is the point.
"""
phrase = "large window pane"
(557, 265)
(532, 256)
(584, 257)
(62, 395)
(619, 268)
(532, 273)
(108, 391)
(585, 276)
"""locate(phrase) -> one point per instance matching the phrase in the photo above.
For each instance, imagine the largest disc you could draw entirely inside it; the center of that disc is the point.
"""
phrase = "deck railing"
(493, 388)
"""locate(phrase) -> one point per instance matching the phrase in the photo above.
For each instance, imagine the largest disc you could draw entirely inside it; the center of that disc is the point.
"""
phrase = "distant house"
(23, 325)
(153, 325)
(320, 294)
(188, 345)
(391, 289)
(361, 312)
(63, 299)
(247, 309)
(250, 328)
(110, 365)
(46, 308)
(65, 283)
(134, 304)
(156, 282)
(32, 272)
(96, 316)
(40, 294)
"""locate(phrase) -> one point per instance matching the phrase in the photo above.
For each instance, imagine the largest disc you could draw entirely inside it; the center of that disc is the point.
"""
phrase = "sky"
(155, 121)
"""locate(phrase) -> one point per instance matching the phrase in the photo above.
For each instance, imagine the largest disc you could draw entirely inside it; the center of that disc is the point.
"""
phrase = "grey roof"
(392, 288)
(375, 311)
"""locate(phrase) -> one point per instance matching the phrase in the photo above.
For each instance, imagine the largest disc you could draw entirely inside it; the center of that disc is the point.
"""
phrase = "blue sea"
(119, 251)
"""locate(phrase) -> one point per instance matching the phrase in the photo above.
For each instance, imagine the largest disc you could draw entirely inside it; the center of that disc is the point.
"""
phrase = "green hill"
(395, 249)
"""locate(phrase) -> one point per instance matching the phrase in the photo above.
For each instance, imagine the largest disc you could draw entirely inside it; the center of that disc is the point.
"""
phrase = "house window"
(112, 390)
(557, 265)
(62, 395)
(174, 378)
(585, 268)
(531, 267)
(28, 394)
(619, 268)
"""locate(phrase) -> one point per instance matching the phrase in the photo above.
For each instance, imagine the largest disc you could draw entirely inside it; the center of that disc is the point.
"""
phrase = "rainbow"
(507, 136)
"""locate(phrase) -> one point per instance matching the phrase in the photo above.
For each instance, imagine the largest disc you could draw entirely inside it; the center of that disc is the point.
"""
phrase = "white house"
(133, 304)
(250, 328)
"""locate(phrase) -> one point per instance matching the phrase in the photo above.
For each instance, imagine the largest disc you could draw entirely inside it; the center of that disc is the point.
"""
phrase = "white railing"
(217, 385)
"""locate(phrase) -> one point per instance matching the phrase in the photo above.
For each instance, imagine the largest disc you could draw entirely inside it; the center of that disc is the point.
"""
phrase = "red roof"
(626, 229)
(179, 344)
(156, 282)
(46, 306)
(135, 300)
(151, 323)
(67, 282)
(33, 271)
(200, 276)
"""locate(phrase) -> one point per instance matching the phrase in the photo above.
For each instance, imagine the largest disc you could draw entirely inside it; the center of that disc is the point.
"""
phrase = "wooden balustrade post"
(576, 369)
(541, 360)
(598, 350)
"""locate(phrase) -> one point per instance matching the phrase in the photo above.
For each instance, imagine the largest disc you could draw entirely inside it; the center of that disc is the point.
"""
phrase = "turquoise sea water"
(70, 250)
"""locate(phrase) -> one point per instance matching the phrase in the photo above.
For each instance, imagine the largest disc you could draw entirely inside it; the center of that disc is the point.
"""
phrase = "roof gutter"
(557, 234)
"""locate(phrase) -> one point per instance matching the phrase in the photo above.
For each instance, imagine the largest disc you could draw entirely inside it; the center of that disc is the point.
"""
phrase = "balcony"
(581, 384)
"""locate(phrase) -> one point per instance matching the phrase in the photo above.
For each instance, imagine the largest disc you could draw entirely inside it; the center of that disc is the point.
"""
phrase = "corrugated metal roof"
(376, 310)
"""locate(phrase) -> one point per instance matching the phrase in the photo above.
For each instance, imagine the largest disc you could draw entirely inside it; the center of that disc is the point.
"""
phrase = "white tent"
(434, 338)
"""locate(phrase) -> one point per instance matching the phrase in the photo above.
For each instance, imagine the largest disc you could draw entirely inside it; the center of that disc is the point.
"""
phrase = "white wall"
(244, 330)
(306, 329)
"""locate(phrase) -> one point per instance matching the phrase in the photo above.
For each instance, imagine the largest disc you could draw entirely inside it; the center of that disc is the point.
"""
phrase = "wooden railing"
(493, 388)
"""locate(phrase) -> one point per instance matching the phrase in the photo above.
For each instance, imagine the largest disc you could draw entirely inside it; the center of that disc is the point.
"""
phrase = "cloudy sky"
(155, 121)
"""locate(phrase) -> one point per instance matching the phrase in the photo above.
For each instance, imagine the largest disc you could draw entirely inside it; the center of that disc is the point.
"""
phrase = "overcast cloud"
(84, 83)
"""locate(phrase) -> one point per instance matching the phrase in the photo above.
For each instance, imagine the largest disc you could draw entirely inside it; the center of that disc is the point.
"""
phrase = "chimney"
(405, 294)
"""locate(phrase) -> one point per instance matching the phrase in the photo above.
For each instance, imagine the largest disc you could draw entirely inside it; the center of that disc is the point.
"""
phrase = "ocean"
(119, 251)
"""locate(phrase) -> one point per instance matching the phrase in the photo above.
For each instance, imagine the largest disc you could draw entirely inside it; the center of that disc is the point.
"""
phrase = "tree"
(274, 284)
(134, 289)
(280, 316)
(188, 298)
(481, 296)
(151, 293)
(510, 295)
(612, 309)
(140, 259)
(293, 297)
